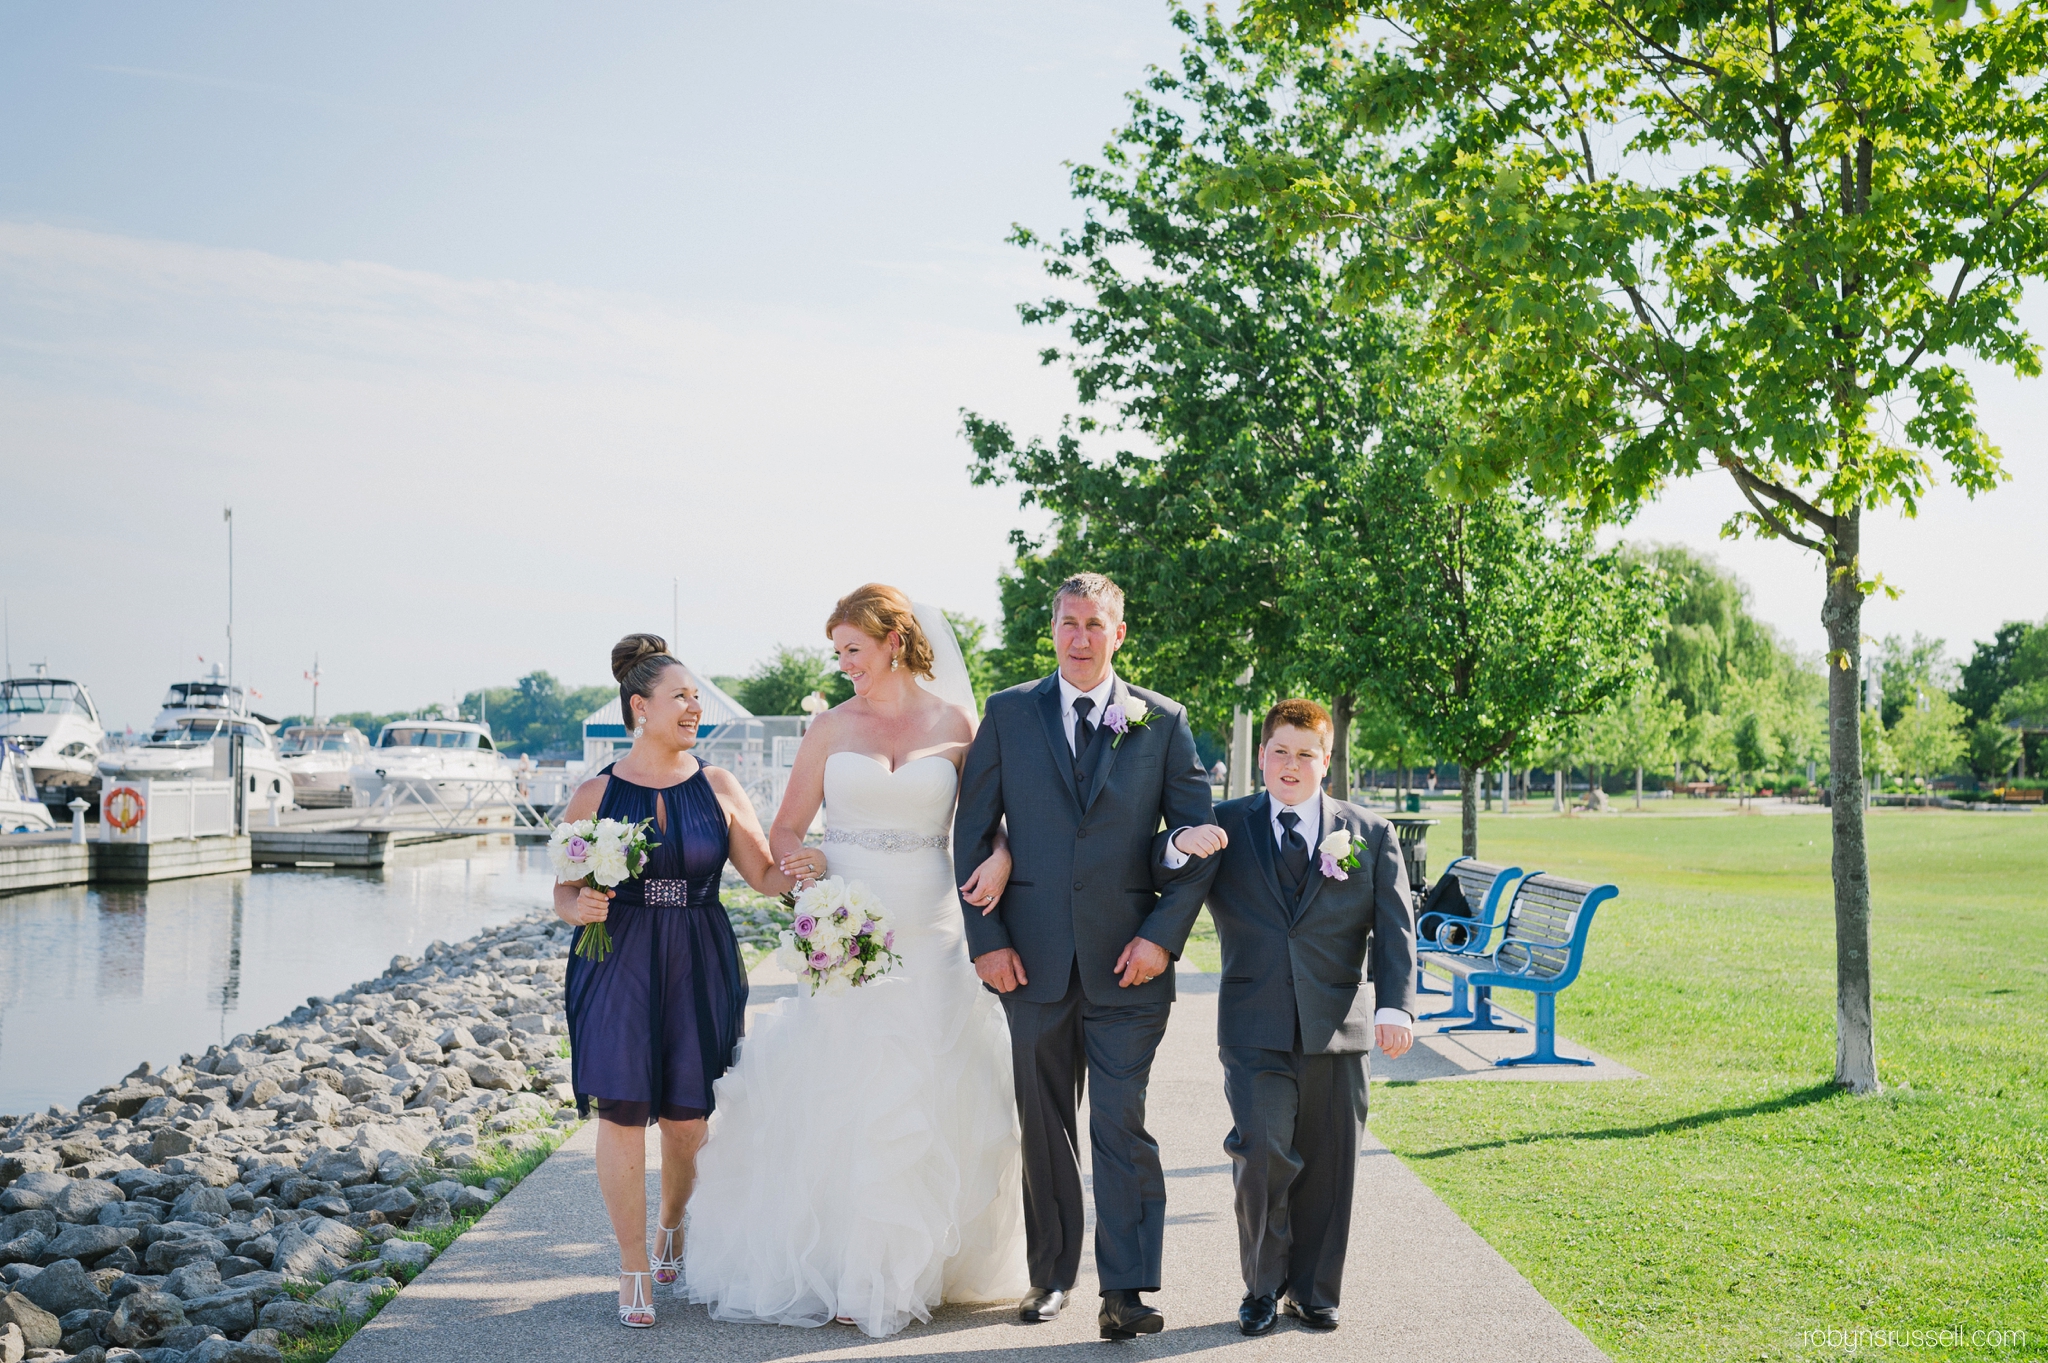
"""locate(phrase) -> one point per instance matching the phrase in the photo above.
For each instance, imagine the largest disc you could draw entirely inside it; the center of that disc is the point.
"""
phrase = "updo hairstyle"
(875, 610)
(638, 660)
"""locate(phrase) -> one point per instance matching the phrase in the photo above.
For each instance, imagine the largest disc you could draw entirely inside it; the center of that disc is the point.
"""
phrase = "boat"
(20, 810)
(54, 724)
(191, 739)
(433, 762)
(319, 758)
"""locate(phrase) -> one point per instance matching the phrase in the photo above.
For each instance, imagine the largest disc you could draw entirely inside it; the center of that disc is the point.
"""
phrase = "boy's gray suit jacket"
(1303, 961)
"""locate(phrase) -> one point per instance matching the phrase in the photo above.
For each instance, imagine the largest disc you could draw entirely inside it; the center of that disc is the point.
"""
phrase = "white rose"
(1134, 710)
(787, 956)
(1337, 845)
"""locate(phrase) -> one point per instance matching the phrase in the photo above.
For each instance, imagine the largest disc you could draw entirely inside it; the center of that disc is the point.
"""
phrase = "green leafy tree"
(1997, 665)
(1754, 751)
(1709, 632)
(1905, 670)
(1928, 739)
(1994, 749)
(972, 635)
(779, 682)
(1657, 239)
(1637, 729)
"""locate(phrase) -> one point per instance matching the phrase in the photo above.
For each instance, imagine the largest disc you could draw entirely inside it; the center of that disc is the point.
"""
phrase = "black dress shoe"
(1314, 1317)
(1256, 1316)
(1124, 1316)
(1041, 1304)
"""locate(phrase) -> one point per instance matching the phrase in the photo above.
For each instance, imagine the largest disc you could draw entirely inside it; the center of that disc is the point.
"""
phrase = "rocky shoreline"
(181, 1216)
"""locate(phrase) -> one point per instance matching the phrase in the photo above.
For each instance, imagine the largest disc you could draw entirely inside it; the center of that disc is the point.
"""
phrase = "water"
(95, 979)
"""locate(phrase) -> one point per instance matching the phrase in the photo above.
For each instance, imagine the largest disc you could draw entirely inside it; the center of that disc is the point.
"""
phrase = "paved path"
(534, 1278)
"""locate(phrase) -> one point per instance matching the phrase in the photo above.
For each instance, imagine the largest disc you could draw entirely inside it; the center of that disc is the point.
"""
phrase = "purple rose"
(889, 940)
(577, 848)
(1114, 720)
(867, 928)
(1332, 870)
(819, 960)
(804, 925)
(840, 912)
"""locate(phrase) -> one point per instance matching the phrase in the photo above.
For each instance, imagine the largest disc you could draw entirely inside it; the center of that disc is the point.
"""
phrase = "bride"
(862, 1163)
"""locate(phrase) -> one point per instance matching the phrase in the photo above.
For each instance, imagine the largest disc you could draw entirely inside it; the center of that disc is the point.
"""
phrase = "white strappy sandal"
(668, 1257)
(639, 1313)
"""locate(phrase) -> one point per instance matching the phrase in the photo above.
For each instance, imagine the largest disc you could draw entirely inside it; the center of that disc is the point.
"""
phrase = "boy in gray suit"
(1306, 889)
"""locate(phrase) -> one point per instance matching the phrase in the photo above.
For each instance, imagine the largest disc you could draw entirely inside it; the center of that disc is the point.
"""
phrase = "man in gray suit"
(1308, 888)
(1084, 768)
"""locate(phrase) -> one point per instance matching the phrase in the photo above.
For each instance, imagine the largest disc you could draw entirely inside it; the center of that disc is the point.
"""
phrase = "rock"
(99, 1355)
(152, 1183)
(325, 1206)
(190, 1282)
(182, 1337)
(199, 1201)
(12, 1345)
(230, 1312)
(13, 1166)
(87, 1244)
(268, 1339)
(79, 1149)
(457, 1038)
(488, 1033)
(445, 1085)
(433, 1213)
(346, 1167)
(494, 1073)
(535, 1024)
(80, 1201)
(260, 1249)
(166, 1256)
(130, 1283)
(472, 1201)
(34, 1189)
(25, 1248)
(169, 1141)
(395, 1203)
(64, 1287)
(300, 1189)
(82, 1328)
(324, 1076)
(127, 1101)
(362, 1084)
(301, 1253)
(319, 1105)
(259, 1093)
(398, 1166)
(352, 1300)
(142, 1317)
(133, 1214)
(295, 1318)
(233, 1351)
(206, 1168)
(372, 1041)
(37, 1219)
(236, 1265)
(122, 1260)
(39, 1328)
(410, 1255)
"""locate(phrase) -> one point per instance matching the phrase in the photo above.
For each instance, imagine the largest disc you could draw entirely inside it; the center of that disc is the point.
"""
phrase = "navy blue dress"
(653, 1025)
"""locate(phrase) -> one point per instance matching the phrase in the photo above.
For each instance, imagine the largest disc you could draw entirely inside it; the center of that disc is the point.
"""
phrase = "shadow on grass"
(1784, 1102)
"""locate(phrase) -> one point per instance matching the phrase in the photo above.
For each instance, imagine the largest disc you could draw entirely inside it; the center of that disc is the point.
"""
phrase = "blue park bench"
(1483, 886)
(1542, 944)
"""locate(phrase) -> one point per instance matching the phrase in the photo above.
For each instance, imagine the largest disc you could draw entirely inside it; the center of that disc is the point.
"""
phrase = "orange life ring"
(125, 808)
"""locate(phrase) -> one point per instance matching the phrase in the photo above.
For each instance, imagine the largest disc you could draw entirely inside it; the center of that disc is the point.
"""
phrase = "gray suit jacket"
(1082, 885)
(1286, 962)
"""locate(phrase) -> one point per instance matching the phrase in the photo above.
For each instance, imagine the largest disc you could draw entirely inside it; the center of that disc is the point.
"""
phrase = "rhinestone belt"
(666, 894)
(887, 839)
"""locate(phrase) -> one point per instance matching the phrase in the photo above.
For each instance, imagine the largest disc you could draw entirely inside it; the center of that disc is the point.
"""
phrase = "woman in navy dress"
(654, 1024)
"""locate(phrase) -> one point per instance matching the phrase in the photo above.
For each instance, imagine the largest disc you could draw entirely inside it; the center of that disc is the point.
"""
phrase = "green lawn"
(1735, 1200)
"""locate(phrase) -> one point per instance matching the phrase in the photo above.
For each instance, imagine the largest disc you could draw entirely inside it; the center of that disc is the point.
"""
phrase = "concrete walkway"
(535, 1277)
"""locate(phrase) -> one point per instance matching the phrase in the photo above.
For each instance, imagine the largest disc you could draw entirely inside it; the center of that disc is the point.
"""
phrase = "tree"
(1993, 749)
(1658, 237)
(1928, 738)
(1905, 670)
(779, 682)
(1638, 729)
(1489, 619)
(1225, 351)
(972, 635)
(1993, 668)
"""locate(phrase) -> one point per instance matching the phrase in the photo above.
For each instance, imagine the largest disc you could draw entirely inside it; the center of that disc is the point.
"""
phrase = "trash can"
(1414, 803)
(1414, 835)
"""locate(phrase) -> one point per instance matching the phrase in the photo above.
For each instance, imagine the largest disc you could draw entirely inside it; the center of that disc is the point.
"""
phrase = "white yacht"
(189, 739)
(54, 724)
(20, 810)
(433, 762)
(319, 758)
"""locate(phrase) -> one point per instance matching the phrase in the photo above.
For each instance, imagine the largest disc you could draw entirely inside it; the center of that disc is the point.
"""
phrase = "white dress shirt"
(1069, 693)
(1310, 828)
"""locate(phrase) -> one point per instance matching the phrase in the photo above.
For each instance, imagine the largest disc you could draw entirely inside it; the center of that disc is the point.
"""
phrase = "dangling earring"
(895, 662)
(640, 729)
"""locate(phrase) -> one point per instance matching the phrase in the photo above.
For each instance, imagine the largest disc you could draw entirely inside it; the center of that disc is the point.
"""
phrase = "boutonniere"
(1339, 855)
(1121, 719)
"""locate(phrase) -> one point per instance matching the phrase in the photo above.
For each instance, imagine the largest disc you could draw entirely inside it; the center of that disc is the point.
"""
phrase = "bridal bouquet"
(840, 938)
(599, 853)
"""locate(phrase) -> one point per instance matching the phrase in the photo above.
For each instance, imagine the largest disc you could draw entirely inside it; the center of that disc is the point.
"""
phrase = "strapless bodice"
(862, 795)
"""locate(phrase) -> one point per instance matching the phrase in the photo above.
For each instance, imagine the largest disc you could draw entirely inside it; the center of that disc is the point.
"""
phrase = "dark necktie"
(1293, 853)
(1084, 734)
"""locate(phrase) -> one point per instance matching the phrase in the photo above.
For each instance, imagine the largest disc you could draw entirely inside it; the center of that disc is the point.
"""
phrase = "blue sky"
(490, 320)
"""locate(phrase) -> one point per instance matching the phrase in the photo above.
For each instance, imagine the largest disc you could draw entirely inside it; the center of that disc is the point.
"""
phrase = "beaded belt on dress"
(886, 839)
(666, 894)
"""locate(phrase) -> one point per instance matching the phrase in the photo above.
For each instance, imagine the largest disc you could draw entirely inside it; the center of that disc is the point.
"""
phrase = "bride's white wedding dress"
(862, 1159)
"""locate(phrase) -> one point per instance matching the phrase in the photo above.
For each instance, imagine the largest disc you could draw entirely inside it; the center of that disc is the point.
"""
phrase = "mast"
(227, 513)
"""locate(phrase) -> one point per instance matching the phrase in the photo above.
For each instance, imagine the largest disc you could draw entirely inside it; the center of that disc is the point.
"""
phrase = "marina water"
(95, 979)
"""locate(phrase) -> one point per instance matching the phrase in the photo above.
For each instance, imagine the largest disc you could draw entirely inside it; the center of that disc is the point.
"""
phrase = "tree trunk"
(1639, 787)
(1557, 791)
(1855, 1030)
(1468, 809)
(1340, 751)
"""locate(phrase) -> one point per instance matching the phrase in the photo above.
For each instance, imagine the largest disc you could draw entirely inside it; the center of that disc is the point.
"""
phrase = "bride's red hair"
(878, 610)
